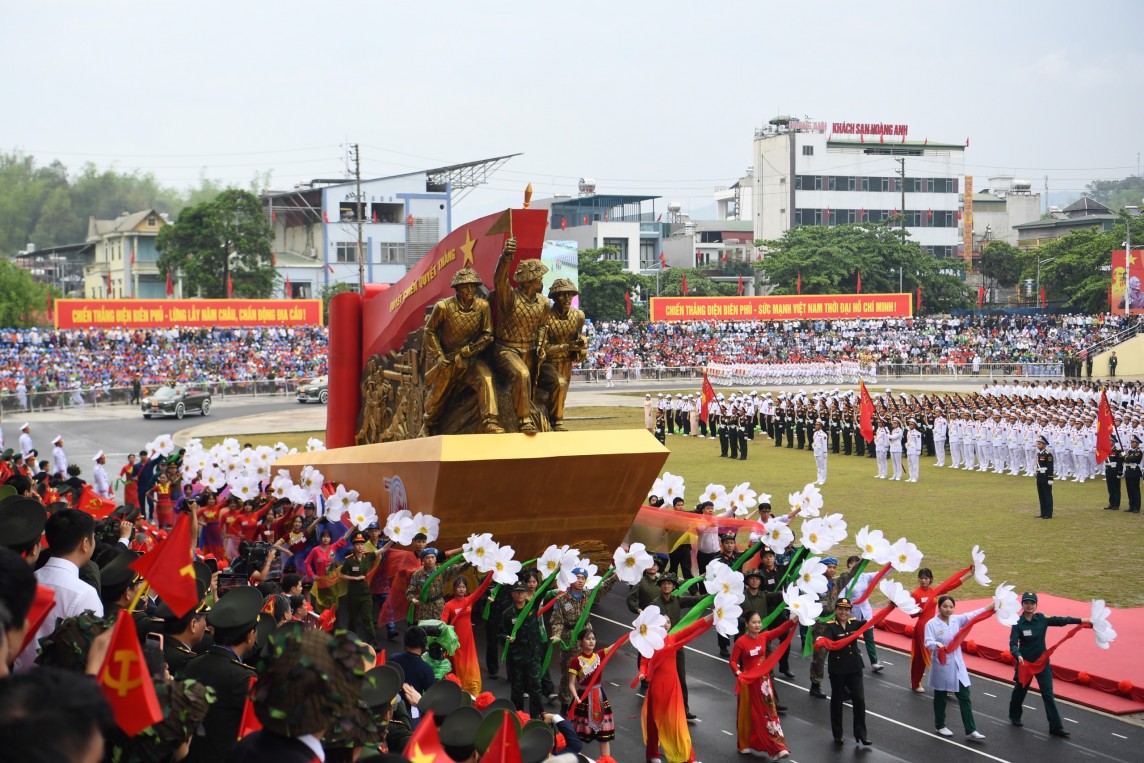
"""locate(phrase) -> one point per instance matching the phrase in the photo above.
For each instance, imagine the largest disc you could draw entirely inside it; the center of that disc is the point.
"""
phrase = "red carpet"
(1111, 680)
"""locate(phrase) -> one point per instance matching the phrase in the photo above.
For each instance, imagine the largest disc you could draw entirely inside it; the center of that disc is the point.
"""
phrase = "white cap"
(648, 395)
(98, 456)
(58, 439)
(24, 426)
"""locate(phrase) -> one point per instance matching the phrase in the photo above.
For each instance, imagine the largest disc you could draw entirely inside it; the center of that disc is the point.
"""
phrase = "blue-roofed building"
(630, 223)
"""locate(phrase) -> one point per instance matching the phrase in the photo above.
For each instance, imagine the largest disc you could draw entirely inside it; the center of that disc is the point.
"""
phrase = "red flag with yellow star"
(124, 679)
(425, 745)
(170, 569)
(504, 748)
(1105, 426)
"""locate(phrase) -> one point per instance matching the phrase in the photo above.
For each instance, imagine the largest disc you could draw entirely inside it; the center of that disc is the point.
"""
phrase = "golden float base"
(529, 491)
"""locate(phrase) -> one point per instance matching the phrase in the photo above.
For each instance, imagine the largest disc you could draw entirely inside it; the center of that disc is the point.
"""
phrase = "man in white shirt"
(71, 537)
(59, 458)
(26, 445)
(99, 477)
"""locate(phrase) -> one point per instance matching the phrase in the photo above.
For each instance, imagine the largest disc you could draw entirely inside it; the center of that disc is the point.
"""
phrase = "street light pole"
(1045, 261)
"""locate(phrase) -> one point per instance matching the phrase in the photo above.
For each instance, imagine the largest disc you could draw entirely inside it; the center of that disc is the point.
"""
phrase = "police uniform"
(743, 425)
(221, 669)
(1132, 461)
(844, 667)
(1113, 471)
(358, 599)
(1045, 480)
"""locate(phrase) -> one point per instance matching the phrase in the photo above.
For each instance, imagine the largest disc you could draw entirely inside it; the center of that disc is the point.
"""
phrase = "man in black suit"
(845, 670)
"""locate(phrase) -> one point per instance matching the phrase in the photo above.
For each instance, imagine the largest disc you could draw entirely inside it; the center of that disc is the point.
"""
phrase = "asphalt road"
(899, 722)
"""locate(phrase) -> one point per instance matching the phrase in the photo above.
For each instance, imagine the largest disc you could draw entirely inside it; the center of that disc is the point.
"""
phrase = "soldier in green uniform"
(182, 636)
(1132, 461)
(434, 603)
(1113, 471)
(1027, 644)
(778, 421)
(845, 669)
(1044, 478)
(357, 600)
(234, 620)
(562, 626)
(646, 590)
(525, 651)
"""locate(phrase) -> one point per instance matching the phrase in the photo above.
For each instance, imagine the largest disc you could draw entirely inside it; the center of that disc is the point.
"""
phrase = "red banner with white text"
(186, 313)
(785, 308)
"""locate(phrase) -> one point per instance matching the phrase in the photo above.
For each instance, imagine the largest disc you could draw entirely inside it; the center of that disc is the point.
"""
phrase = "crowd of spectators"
(962, 340)
(39, 360)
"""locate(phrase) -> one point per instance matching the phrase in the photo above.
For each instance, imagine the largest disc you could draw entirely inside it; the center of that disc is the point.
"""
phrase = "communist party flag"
(980, 296)
(740, 284)
(170, 286)
(865, 413)
(1105, 425)
(170, 569)
(425, 745)
(124, 679)
(504, 748)
(229, 286)
(89, 502)
(708, 396)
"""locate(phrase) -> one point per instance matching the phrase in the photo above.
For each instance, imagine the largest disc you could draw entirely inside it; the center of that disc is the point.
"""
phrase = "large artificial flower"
(314, 444)
(672, 487)
(904, 556)
(723, 506)
(554, 558)
(399, 527)
(478, 549)
(505, 568)
(836, 525)
(649, 630)
(1100, 625)
(816, 536)
(777, 535)
(804, 606)
(164, 445)
(724, 581)
(427, 524)
(899, 596)
(812, 576)
(311, 479)
(873, 545)
(343, 499)
(980, 571)
(631, 564)
(656, 488)
(713, 493)
(727, 612)
(362, 514)
(743, 499)
(763, 498)
(1006, 605)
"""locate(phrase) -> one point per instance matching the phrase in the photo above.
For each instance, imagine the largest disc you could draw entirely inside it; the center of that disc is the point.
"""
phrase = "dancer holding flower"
(757, 718)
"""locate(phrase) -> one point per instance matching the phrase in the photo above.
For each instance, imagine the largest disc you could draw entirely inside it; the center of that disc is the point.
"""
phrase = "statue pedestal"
(529, 491)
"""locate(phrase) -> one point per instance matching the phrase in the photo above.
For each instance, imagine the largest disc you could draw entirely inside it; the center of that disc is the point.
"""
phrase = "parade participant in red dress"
(164, 508)
(458, 612)
(758, 718)
(127, 476)
(399, 565)
(664, 717)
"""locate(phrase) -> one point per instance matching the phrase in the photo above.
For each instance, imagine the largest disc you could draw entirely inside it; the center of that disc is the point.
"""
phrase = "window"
(621, 247)
(649, 258)
(391, 252)
(346, 251)
(387, 213)
(304, 290)
(808, 150)
(152, 221)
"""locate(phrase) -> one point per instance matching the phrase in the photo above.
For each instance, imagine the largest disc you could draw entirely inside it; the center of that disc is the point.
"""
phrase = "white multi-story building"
(836, 173)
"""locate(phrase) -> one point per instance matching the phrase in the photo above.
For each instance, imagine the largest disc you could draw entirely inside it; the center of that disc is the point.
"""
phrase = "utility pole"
(360, 220)
(901, 160)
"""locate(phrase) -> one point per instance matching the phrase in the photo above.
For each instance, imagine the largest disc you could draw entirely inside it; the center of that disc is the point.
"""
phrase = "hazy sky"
(646, 97)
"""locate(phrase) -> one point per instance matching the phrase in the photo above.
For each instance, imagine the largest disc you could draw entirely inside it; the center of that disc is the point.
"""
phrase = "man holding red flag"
(865, 413)
(708, 394)
(1105, 426)
(170, 570)
(125, 680)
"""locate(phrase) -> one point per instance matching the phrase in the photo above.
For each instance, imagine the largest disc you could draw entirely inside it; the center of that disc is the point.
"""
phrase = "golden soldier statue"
(457, 332)
(522, 314)
(565, 346)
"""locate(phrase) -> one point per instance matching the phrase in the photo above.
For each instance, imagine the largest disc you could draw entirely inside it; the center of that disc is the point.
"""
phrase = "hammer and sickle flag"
(124, 679)
(169, 569)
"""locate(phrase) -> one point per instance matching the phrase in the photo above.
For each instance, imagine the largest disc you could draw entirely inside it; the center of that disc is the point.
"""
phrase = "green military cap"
(536, 740)
(460, 728)
(442, 698)
(7, 491)
(22, 520)
(118, 571)
(381, 685)
(6, 454)
(491, 724)
(237, 610)
(499, 704)
(203, 577)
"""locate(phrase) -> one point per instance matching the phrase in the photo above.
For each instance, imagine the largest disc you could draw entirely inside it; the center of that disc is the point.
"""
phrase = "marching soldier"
(732, 428)
(1044, 478)
(845, 671)
(744, 425)
(1132, 461)
(1113, 471)
(525, 651)
(778, 423)
(835, 423)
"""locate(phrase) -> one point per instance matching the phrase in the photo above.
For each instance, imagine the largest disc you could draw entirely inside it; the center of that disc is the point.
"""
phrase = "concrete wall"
(1129, 360)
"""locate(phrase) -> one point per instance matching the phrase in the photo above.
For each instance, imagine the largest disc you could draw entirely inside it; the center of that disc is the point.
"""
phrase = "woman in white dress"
(952, 676)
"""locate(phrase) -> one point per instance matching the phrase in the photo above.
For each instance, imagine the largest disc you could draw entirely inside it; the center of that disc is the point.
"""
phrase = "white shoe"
(877, 667)
(945, 732)
(745, 751)
(920, 690)
(976, 736)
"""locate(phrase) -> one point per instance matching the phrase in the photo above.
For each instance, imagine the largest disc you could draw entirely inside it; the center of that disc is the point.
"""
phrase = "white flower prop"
(478, 549)
(727, 612)
(980, 571)
(314, 444)
(763, 498)
(812, 576)
(230, 445)
(744, 498)
(300, 495)
(1006, 605)
(672, 487)
(811, 500)
(1100, 625)
(873, 545)
(816, 536)
(631, 564)
(713, 493)
(311, 479)
(280, 449)
(724, 581)
(265, 454)
(777, 535)
(899, 596)
(246, 459)
(657, 489)
(214, 479)
(803, 606)
(904, 556)
(260, 472)
(336, 510)
(649, 630)
(566, 577)
(553, 559)
(399, 527)
(795, 500)
(244, 489)
(724, 507)
(164, 445)
(505, 568)
(362, 514)
(836, 526)
(428, 524)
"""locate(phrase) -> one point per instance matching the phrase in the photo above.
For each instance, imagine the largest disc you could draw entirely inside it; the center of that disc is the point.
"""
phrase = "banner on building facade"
(1127, 288)
(786, 308)
(186, 313)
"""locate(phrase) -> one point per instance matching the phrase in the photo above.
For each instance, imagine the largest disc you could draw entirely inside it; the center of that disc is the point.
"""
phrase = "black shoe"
(787, 674)
(1016, 722)
(1112, 508)
(839, 740)
(1059, 733)
(781, 708)
(816, 692)
(391, 634)
(692, 716)
(724, 653)
(864, 742)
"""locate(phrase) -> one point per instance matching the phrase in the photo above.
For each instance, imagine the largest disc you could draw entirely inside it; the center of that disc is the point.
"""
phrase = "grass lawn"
(1083, 553)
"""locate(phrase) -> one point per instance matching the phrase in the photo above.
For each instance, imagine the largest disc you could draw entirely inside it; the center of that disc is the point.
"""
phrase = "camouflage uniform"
(434, 603)
(565, 614)
(525, 655)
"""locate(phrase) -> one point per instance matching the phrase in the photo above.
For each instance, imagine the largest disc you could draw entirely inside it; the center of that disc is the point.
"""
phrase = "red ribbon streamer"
(608, 652)
(834, 645)
(767, 665)
(1026, 670)
(955, 642)
(873, 585)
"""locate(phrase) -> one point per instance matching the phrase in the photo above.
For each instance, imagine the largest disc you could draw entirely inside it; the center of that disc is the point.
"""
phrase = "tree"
(1002, 262)
(22, 300)
(229, 234)
(829, 259)
(698, 284)
(1117, 194)
(1078, 275)
(603, 283)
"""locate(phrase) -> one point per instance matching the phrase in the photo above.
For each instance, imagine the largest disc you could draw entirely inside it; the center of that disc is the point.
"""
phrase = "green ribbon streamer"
(496, 590)
(580, 622)
(744, 557)
(538, 596)
(854, 580)
(424, 594)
